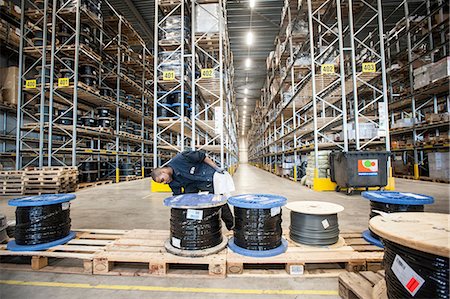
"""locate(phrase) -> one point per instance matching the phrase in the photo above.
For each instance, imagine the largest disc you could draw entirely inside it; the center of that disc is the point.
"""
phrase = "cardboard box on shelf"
(440, 69)
(9, 83)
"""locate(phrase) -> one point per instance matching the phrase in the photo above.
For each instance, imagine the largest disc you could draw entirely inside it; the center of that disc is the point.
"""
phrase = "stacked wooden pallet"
(362, 285)
(37, 181)
(11, 183)
(50, 180)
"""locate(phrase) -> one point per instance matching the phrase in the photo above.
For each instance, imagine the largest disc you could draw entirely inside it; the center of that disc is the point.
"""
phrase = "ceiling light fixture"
(245, 100)
(246, 90)
(252, 3)
(249, 38)
(248, 62)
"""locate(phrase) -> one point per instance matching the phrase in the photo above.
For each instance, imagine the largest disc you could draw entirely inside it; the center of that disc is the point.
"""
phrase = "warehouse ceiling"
(264, 20)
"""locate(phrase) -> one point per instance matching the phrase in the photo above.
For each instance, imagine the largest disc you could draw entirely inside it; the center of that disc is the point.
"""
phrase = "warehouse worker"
(193, 172)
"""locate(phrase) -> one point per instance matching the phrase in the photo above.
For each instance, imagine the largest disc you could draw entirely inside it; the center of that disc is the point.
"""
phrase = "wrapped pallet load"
(323, 167)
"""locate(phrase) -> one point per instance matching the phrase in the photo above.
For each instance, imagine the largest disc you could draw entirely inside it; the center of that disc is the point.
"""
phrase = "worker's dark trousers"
(227, 215)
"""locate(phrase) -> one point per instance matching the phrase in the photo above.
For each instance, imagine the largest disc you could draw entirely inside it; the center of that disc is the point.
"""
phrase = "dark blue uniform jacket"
(191, 173)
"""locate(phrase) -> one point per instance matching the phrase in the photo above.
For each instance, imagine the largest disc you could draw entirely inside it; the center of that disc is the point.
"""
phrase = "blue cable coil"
(41, 222)
(258, 231)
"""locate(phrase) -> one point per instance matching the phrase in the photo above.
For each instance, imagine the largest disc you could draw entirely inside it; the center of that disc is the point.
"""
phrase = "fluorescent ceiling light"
(252, 3)
(245, 100)
(248, 62)
(249, 38)
(246, 90)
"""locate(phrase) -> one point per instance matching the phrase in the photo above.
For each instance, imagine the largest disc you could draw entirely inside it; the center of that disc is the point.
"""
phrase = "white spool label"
(297, 269)
(325, 223)
(406, 275)
(275, 211)
(194, 214)
(65, 206)
(176, 242)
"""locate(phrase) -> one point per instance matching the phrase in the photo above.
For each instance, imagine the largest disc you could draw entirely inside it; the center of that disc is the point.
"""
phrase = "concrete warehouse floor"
(131, 205)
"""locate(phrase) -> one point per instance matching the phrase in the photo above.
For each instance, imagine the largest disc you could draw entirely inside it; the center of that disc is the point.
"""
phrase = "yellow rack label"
(88, 151)
(30, 84)
(327, 68)
(168, 75)
(63, 82)
(369, 67)
(207, 73)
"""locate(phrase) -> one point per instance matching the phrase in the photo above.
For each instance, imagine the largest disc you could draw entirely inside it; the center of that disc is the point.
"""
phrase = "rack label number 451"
(168, 75)
(406, 275)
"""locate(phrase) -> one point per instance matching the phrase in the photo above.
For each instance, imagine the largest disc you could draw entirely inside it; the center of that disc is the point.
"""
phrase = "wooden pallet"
(74, 257)
(141, 252)
(93, 184)
(362, 285)
(350, 253)
(129, 178)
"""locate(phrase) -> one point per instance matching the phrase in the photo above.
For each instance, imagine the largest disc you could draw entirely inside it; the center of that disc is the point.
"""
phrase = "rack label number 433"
(207, 73)
(30, 84)
(168, 75)
(406, 275)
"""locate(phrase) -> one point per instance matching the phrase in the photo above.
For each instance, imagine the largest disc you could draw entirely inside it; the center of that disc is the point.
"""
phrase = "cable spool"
(89, 171)
(88, 74)
(314, 222)
(257, 230)
(126, 169)
(41, 222)
(88, 121)
(195, 225)
(3, 227)
(392, 202)
(107, 92)
(417, 252)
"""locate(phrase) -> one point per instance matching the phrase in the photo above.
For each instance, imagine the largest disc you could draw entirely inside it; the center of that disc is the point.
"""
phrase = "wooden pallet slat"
(362, 285)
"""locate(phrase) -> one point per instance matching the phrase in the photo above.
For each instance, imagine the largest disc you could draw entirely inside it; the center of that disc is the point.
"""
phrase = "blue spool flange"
(372, 239)
(35, 201)
(194, 200)
(399, 198)
(258, 201)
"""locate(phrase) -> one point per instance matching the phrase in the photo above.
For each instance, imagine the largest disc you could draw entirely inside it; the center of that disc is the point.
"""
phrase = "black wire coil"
(196, 234)
(312, 230)
(432, 268)
(42, 224)
(256, 229)
(392, 208)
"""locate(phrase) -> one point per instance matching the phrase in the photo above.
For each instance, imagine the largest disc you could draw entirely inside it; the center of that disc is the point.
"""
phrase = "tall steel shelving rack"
(122, 68)
(341, 44)
(197, 66)
(419, 38)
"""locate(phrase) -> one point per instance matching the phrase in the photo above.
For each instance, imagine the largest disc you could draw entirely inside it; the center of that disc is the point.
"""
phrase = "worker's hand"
(220, 170)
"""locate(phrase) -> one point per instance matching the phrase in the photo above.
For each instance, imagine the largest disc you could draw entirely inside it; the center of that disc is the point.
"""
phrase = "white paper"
(297, 269)
(325, 224)
(194, 214)
(406, 275)
(275, 211)
(65, 206)
(176, 242)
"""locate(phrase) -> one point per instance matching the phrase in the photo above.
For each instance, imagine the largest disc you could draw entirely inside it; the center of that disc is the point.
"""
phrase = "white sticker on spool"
(194, 214)
(325, 223)
(65, 206)
(176, 242)
(275, 211)
(406, 275)
(413, 195)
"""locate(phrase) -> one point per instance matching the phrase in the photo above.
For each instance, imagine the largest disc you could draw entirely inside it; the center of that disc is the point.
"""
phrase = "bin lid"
(401, 198)
(403, 228)
(257, 201)
(195, 200)
(41, 200)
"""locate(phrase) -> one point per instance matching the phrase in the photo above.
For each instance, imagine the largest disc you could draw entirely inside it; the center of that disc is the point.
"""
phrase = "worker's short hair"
(156, 172)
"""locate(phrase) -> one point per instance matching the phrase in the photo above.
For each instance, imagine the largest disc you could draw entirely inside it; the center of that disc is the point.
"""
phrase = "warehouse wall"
(243, 150)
